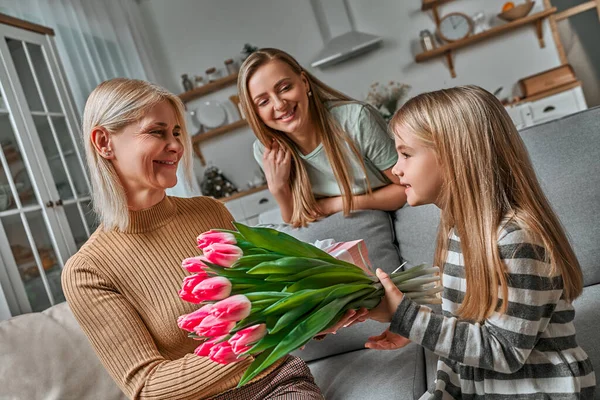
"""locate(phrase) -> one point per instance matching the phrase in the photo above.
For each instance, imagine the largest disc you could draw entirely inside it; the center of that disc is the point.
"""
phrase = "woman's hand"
(277, 163)
(330, 205)
(389, 303)
(351, 317)
(387, 341)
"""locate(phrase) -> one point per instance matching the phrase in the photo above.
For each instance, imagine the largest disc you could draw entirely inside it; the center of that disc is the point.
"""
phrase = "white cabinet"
(247, 209)
(547, 108)
(45, 210)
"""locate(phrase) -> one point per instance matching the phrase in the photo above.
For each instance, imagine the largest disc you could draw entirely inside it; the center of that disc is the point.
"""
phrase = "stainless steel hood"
(341, 39)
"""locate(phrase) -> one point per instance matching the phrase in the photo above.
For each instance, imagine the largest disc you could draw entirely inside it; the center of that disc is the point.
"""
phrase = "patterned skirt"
(292, 380)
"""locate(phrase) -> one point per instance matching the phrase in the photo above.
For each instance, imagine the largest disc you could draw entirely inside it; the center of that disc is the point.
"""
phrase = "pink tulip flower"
(189, 297)
(222, 254)
(189, 283)
(234, 308)
(212, 326)
(242, 340)
(222, 353)
(212, 236)
(216, 288)
(204, 349)
(195, 265)
(189, 321)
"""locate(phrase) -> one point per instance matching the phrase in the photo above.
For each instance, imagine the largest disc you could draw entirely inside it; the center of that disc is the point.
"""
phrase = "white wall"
(194, 35)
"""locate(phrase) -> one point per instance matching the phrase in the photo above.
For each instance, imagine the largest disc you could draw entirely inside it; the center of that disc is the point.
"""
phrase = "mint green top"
(369, 132)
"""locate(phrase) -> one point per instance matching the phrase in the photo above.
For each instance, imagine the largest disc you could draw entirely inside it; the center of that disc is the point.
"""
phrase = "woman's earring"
(309, 93)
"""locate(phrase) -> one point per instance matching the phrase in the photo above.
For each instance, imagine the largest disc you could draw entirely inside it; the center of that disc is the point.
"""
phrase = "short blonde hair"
(113, 105)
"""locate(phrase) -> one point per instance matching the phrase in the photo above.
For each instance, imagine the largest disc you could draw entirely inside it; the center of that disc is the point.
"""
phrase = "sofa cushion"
(565, 156)
(586, 326)
(376, 228)
(373, 226)
(60, 364)
(372, 374)
(416, 230)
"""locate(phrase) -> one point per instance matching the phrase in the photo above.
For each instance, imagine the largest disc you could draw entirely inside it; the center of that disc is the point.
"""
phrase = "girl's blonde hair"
(113, 105)
(487, 176)
(331, 134)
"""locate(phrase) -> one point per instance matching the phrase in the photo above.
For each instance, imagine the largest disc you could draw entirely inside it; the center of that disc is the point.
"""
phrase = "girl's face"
(280, 97)
(418, 169)
(147, 152)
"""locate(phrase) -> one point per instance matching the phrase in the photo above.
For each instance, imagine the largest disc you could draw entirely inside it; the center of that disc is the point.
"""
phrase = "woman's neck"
(306, 139)
(142, 199)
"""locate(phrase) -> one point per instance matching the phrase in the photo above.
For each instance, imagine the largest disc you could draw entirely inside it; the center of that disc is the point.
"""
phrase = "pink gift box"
(354, 252)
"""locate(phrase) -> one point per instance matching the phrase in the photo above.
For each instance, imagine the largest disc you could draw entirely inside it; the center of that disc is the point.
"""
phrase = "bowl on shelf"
(517, 12)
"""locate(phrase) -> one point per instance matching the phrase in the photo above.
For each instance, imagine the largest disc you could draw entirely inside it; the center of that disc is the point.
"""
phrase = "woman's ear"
(304, 79)
(101, 139)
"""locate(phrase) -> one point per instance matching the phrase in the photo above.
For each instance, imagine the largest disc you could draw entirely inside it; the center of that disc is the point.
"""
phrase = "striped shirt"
(530, 352)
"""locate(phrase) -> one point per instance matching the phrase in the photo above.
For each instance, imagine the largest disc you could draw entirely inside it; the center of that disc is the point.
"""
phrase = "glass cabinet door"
(31, 266)
(45, 203)
(56, 136)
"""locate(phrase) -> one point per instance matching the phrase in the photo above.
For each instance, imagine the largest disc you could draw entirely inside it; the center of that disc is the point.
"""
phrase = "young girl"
(509, 273)
(322, 152)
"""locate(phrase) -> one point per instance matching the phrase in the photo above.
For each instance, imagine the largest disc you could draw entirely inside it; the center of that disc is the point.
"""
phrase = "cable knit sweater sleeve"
(122, 288)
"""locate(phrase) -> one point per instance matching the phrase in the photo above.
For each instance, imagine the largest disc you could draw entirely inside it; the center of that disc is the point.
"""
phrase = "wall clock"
(455, 26)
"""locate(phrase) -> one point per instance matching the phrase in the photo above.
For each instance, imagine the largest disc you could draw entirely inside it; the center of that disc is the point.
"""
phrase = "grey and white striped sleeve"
(503, 342)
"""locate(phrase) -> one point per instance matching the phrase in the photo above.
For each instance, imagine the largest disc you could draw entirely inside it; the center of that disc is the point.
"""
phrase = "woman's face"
(418, 169)
(280, 97)
(147, 152)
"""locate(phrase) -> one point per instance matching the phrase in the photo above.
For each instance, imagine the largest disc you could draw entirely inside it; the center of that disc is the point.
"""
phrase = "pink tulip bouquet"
(263, 293)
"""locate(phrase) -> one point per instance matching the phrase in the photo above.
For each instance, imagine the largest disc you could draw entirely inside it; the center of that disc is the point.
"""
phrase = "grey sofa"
(566, 156)
(46, 356)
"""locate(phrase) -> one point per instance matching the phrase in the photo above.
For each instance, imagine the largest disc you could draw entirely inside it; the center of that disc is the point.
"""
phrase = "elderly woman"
(122, 284)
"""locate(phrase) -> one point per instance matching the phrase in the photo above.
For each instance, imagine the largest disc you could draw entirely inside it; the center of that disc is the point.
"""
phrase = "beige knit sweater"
(122, 288)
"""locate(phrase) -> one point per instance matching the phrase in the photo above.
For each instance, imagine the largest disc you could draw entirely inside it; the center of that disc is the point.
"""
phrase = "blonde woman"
(322, 152)
(509, 273)
(122, 284)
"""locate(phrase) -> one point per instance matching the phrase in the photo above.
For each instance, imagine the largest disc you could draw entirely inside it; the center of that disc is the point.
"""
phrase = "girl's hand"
(387, 341)
(277, 163)
(330, 205)
(389, 303)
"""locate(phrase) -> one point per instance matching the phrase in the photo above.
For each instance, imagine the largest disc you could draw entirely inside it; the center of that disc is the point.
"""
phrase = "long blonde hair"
(305, 208)
(113, 105)
(487, 176)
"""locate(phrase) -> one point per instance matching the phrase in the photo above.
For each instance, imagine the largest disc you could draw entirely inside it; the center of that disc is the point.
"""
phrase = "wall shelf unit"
(447, 49)
(208, 88)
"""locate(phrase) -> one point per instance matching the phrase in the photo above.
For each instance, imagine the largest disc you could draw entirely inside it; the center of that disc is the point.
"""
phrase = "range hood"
(341, 39)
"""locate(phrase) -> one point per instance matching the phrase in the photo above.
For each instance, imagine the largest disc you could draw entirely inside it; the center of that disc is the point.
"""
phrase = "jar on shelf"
(198, 80)
(427, 40)
(186, 83)
(231, 66)
(212, 74)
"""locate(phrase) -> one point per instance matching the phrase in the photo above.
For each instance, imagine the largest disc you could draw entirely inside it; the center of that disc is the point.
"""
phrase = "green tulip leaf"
(280, 242)
(327, 279)
(255, 364)
(302, 333)
(287, 265)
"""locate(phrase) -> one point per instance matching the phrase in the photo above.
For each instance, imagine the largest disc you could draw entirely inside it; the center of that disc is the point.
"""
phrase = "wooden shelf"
(446, 50)
(201, 137)
(208, 88)
(429, 4)
(242, 194)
